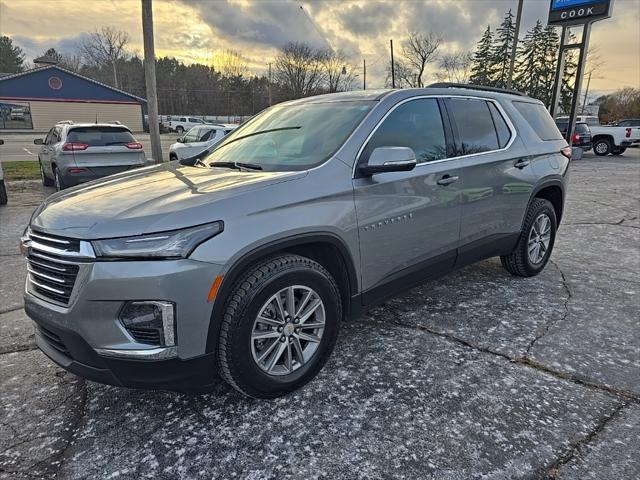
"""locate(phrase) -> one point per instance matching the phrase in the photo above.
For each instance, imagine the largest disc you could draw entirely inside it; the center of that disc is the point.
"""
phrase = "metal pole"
(269, 84)
(515, 44)
(364, 75)
(586, 92)
(150, 80)
(557, 85)
(393, 68)
(575, 99)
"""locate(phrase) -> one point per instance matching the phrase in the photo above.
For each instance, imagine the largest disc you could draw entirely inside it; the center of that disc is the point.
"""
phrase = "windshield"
(291, 137)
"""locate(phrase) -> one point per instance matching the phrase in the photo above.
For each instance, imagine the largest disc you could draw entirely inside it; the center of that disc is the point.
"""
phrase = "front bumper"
(74, 335)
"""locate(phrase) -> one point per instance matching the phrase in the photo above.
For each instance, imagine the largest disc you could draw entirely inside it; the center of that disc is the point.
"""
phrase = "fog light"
(150, 322)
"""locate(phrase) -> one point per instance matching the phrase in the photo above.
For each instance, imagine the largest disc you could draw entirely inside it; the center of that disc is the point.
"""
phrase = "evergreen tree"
(482, 70)
(11, 57)
(549, 47)
(501, 51)
(530, 63)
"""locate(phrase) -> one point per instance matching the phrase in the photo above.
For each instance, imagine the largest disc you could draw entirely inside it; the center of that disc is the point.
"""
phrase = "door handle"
(522, 163)
(447, 180)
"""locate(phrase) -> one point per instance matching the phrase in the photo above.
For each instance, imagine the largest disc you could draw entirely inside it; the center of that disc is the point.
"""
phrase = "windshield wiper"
(237, 165)
(261, 132)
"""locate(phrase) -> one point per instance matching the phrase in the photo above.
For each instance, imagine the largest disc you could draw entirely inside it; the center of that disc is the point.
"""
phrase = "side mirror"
(38, 141)
(389, 159)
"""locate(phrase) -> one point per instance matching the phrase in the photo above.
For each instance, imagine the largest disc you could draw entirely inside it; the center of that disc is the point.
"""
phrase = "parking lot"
(476, 375)
(19, 146)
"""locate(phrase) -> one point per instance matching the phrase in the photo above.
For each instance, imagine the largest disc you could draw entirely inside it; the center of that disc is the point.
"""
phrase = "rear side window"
(539, 119)
(416, 124)
(476, 131)
(100, 136)
(581, 128)
(504, 134)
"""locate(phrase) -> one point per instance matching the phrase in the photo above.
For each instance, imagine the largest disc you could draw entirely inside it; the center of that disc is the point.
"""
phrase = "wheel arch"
(553, 191)
(323, 247)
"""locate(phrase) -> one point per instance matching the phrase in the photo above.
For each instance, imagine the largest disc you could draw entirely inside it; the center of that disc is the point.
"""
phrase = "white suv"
(198, 139)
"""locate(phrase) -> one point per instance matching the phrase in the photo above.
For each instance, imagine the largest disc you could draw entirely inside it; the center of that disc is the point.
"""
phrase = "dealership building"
(36, 99)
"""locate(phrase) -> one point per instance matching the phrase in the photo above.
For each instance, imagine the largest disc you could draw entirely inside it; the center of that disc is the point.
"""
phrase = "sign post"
(568, 13)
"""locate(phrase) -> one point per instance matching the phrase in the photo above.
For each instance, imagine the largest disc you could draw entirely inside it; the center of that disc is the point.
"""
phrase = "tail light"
(566, 151)
(576, 138)
(628, 134)
(134, 145)
(76, 170)
(74, 147)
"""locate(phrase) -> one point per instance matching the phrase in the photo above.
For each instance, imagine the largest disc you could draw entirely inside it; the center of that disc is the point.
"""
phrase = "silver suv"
(74, 153)
(246, 263)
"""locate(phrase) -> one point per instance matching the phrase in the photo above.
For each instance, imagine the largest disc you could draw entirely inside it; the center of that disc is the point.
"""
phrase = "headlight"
(172, 244)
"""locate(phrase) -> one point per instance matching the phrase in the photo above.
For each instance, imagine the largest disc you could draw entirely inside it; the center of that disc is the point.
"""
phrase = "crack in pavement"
(19, 348)
(554, 469)
(552, 322)
(76, 423)
(520, 360)
(9, 310)
(612, 224)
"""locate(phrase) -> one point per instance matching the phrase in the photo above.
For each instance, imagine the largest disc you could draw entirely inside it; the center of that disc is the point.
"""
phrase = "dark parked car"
(581, 136)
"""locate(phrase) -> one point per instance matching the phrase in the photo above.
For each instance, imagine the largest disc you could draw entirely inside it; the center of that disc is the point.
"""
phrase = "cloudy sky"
(197, 30)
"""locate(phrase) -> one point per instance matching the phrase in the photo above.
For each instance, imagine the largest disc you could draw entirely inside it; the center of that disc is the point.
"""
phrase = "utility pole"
(150, 80)
(514, 47)
(364, 74)
(393, 68)
(269, 83)
(586, 92)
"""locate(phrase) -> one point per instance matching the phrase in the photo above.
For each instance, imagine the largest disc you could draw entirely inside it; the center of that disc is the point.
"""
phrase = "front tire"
(267, 345)
(536, 241)
(602, 147)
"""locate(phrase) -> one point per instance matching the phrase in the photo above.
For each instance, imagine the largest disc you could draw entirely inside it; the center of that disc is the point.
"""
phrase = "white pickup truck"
(609, 139)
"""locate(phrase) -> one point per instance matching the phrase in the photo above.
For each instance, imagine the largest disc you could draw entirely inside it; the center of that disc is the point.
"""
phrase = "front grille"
(51, 267)
(53, 340)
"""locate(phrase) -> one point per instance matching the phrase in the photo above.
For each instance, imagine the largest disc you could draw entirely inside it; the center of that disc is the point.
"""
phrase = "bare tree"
(405, 76)
(338, 72)
(419, 50)
(105, 47)
(455, 67)
(231, 64)
(298, 69)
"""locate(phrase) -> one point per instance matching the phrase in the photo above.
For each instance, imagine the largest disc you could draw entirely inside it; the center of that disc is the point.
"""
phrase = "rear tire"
(602, 147)
(57, 180)
(536, 241)
(618, 150)
(46, 181)
(270, 366)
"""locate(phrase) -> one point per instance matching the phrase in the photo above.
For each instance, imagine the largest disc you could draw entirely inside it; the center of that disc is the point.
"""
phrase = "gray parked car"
(246, 263)
(74, 153)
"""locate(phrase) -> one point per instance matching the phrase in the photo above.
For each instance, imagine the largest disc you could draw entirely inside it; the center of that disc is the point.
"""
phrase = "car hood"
(158, 198)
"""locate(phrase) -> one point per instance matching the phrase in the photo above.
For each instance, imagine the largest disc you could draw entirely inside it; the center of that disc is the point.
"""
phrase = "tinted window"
(100, 136)
(292, 137)
(416, 124)
(206, 134)
(504, 134)
(581, 128)
(629, 123)
(539, 119)
(475, 126)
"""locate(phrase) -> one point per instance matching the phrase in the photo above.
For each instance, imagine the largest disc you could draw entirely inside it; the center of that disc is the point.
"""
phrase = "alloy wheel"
(288, 330)
(539, 238)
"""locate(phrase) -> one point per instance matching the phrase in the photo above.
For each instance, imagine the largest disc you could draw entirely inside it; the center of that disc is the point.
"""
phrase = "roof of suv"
(437, 89)
(85, 125)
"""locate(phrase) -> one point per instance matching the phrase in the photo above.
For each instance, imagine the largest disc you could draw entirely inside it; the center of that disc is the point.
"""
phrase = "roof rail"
(115, 122)
(65, 122)
(475, 87)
